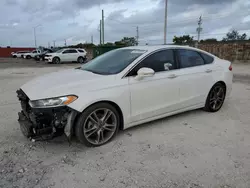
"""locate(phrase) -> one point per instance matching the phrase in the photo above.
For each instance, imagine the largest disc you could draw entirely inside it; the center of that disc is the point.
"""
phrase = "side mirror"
(144, 72)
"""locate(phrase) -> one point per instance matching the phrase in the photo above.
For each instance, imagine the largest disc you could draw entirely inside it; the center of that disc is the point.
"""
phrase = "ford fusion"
(122, 88)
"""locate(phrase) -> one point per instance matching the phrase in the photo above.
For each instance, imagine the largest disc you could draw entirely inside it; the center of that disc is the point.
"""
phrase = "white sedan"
(123, 88)
(67, 55)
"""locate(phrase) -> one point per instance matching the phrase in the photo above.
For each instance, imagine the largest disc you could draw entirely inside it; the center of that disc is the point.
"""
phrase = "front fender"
(119, 95)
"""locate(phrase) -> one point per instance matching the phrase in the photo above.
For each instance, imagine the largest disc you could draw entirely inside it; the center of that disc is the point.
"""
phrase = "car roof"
(158, 47)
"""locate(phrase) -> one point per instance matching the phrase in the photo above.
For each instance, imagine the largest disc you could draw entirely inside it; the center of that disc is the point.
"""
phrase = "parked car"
(18, 54)
(31, 54)
(123, 88)
(67, 55)
(41, 57)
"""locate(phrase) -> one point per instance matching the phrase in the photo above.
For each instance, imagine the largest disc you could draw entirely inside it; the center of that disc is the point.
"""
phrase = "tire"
(215, 98)
(95, 129)
(28, 57)
(80, 60)
(14, 56)
(56, 60)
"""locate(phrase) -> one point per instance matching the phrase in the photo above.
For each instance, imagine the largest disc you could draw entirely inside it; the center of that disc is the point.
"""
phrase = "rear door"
(73, 55)
(196, 77)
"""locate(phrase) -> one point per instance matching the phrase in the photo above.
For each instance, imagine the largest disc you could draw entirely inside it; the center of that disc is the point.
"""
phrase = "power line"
(207, 17)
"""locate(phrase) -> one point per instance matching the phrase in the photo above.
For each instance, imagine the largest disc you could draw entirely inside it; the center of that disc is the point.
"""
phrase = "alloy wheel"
(100, 126)
(217, 97)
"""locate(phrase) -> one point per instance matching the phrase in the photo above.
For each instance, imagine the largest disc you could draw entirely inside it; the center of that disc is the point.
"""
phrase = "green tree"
(185, 39)
(127, 41)
(234, 35)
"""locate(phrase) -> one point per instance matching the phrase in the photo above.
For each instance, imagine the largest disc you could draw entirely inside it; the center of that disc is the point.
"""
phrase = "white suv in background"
(31, 54)
(67, 55)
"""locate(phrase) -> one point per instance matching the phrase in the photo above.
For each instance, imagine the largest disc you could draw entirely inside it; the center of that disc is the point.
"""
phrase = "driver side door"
(65, 56)
(158, 94)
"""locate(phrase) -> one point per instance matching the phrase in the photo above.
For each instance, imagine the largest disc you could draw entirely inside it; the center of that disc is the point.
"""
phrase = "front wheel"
(215, 98)
(97, 125)
(56, 60)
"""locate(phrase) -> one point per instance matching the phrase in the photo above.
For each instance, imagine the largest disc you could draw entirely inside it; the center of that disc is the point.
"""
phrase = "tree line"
(232, 35)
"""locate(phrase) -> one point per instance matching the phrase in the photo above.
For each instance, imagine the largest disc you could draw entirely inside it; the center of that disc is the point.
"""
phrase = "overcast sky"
(77, 20)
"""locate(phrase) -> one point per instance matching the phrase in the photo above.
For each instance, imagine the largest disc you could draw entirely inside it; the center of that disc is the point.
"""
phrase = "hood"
(53, 53)
(62, 83)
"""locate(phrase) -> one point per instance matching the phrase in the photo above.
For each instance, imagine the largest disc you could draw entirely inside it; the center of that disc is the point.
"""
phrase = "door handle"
(172, 76)
(208, 71)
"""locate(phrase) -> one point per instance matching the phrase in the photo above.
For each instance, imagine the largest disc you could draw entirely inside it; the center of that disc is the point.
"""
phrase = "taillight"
(230, 67)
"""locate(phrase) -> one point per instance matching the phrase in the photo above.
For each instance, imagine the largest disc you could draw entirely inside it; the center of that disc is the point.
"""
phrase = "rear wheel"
(28, 57)
(215, 98)
(97, 125)
(56, 60)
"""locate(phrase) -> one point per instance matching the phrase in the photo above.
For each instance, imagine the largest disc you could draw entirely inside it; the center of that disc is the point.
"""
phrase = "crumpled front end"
(44, 123)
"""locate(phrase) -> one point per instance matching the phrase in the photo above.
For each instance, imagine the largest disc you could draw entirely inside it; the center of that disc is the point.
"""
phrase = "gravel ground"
(194, 149)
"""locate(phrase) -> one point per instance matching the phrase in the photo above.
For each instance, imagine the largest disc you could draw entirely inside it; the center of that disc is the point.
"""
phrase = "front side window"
(189, 58)
(66, 52)
(159, 61)
(81, 51)
(60, 51)
(113, 62)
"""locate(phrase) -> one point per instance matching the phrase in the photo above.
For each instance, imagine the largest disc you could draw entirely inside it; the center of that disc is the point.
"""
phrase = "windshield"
(59, 51)
(112, 62)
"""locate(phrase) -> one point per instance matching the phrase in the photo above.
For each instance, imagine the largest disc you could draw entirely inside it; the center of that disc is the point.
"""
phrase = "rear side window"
(189, 58)
(208, 59)
(81, 51)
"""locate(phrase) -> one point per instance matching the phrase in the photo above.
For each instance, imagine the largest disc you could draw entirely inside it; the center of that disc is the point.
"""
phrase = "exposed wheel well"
(116, 107)
(223, 83)
(56, 57)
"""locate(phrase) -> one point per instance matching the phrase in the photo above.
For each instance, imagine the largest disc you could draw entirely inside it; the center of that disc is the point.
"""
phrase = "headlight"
(53, 102)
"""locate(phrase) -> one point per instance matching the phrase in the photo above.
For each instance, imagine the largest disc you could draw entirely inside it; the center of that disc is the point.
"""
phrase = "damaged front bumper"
(45, 123)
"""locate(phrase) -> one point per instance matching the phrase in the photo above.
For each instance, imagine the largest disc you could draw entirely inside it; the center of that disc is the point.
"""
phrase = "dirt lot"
(194, 149)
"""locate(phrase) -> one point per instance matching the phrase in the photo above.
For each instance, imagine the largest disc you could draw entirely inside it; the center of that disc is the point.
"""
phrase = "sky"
(77, 20)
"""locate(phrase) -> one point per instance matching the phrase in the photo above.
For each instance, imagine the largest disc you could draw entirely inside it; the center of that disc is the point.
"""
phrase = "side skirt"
(197, 106)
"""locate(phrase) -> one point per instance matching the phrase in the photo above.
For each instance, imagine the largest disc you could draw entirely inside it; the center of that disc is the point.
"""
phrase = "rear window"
(208, 59)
